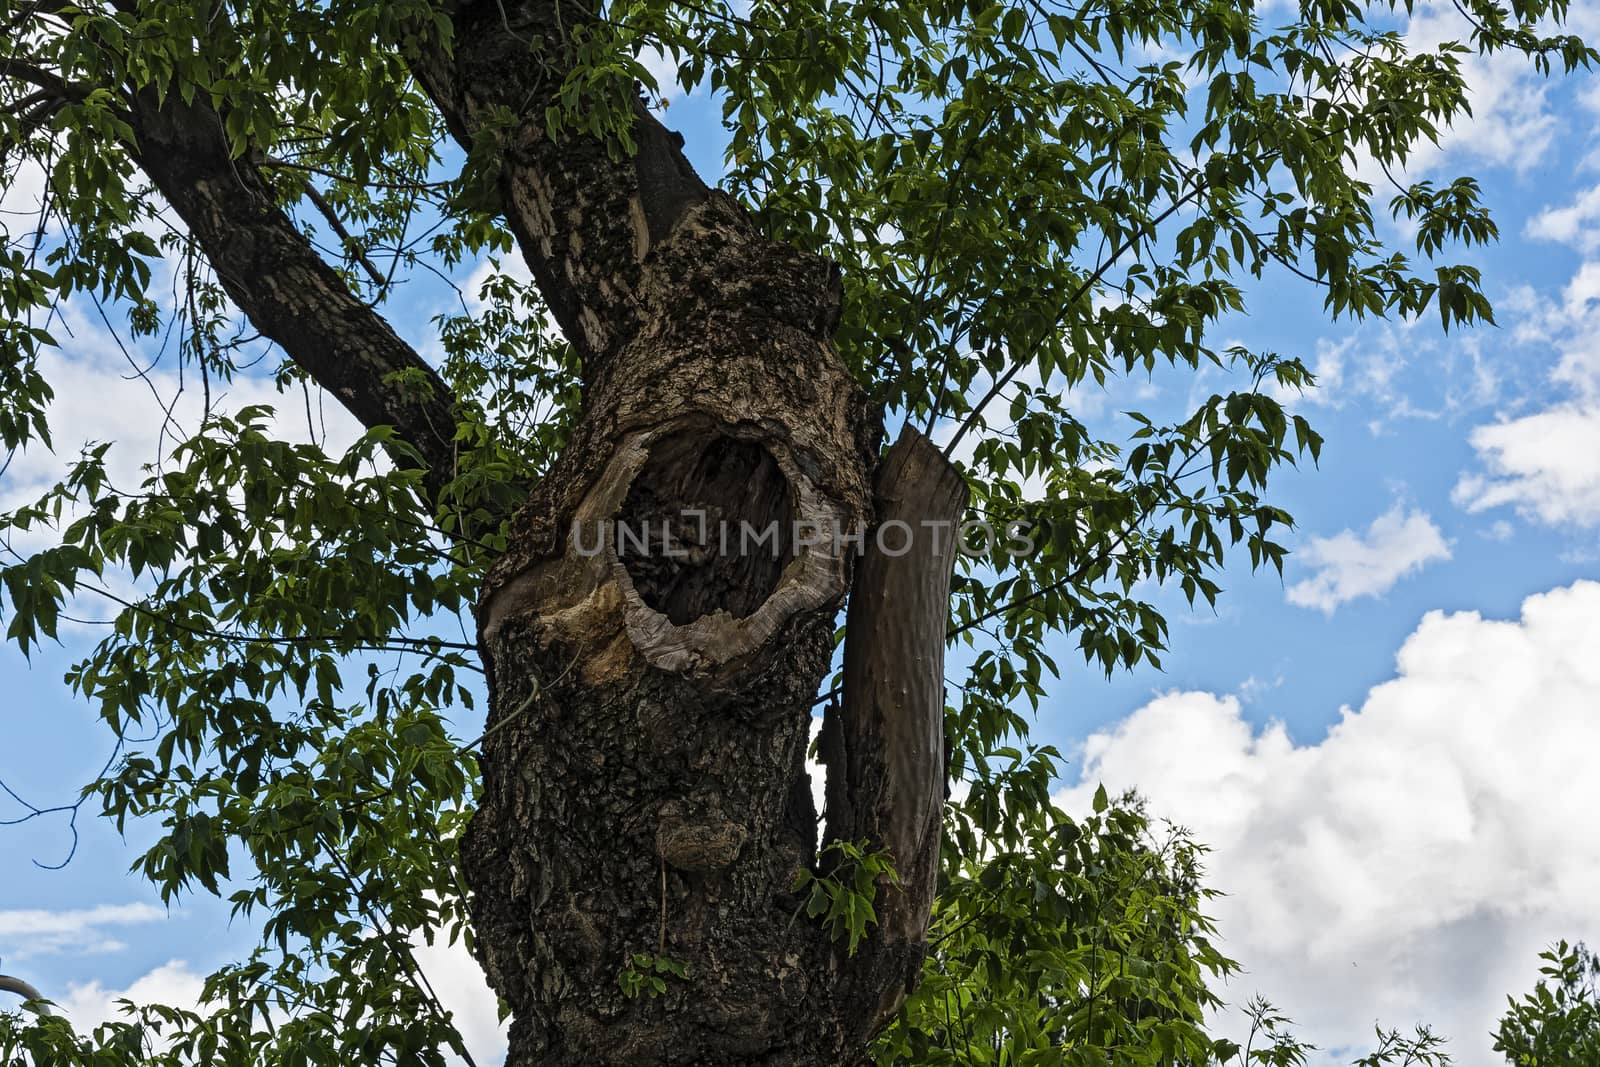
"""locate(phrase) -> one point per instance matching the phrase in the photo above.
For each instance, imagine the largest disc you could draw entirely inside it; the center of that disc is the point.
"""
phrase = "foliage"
(648, 974)
(1086, 943)
(840, 894)
(1089, 945)
(1030, 199)
(1558, 1024)
(1394, 1049)
(335, 788)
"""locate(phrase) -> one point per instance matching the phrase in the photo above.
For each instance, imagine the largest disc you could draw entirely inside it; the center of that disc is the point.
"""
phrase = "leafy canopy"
(1558, 1023)
(1029, 198)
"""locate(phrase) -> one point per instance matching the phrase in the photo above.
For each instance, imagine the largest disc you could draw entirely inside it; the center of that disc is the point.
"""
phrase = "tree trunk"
(656, 638)
(644, 782)
(659, 627)
(657, 631)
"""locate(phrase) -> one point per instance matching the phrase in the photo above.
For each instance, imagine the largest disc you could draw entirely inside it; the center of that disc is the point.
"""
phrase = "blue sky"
(1390, 749)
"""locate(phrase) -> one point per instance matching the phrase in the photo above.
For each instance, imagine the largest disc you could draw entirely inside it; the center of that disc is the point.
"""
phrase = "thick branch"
(27, 992)
(289, 292)
(584, 217)
(33, 111)
(48, 80)
(884, 742)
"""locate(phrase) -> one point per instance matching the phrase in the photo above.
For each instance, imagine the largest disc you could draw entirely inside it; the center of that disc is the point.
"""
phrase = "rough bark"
(585, 218)
(650, 797)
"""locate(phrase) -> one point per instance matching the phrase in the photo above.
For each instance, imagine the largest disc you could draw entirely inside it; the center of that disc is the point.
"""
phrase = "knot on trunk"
(707, 537)
(714, 537)
(697, 842)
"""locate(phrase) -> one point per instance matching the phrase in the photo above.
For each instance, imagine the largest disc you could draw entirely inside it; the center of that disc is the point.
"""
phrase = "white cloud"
(1573, 326)
(512, 266)
(29, 932)
(816, 772)
(1350, 565)
(1253, 689)
(1577, 224)
(1362, 368)
(1410, 866)
(95, 403)
(663, 67)
(22, 197)
(99, 398)
(458, 980)
(450, 969)
(1328, 365)
(1546, 465)
(996, 415)
(1367, 369)
(1511, 124)
(87, 1006)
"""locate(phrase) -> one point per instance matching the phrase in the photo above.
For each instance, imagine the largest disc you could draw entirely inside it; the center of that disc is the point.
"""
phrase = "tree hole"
(707, 524)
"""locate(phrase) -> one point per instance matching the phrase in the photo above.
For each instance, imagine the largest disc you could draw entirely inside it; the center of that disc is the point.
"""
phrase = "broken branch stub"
(886, 772)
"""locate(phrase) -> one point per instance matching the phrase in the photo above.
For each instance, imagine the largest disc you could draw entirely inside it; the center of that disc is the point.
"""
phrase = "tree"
(1558, 1024)
(936, 218)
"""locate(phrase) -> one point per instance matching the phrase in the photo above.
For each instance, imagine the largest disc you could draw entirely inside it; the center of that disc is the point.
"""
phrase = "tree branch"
(28, 993)
(884, 741)
(48, 80)
(584, 216)
(289, 292)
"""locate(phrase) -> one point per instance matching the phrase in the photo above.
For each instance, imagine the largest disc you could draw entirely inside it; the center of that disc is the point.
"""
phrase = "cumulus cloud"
(28, 932)
(1511, 124)
(1576, 223)
(91, 1004)
(1546, 465)
(99, 397)
(450, 969)
(1409, 866)
(1349, 565)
